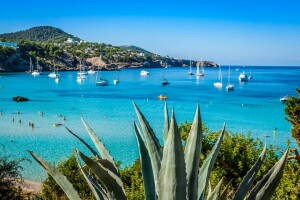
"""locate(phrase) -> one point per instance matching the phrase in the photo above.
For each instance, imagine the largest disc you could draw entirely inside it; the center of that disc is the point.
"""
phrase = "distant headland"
(52, 47)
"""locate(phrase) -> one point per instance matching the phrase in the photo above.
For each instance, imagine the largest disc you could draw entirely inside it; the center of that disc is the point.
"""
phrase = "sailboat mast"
(220, 73)
(30, 67)
(229, 76)
(190, 63)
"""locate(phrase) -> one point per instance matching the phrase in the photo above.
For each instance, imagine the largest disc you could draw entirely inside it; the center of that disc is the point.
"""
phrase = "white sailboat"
(220, 82)
(190, 72)
(144, 73)
(81, 72)
(250, 76)
(54, 74)
(92, 71)
(229, 86)
(202, 69)
(101, 81)
(30, 67)
(36, 72)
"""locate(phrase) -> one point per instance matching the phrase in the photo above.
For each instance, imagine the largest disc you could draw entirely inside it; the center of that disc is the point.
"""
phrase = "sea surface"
(253, 106)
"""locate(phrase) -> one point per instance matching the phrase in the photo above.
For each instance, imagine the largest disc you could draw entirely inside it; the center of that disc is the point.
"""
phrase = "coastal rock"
(19, 99)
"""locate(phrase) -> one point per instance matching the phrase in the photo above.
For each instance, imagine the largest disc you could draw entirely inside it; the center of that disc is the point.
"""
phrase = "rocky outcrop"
(19, 99)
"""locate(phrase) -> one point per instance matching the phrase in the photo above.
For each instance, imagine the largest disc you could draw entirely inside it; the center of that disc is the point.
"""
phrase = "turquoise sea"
(253, 106)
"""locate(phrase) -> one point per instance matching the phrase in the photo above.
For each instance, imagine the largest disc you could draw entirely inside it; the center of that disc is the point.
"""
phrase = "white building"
(71, 41)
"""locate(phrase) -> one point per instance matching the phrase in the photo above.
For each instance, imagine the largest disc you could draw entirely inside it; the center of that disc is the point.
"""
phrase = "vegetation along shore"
(52, 47)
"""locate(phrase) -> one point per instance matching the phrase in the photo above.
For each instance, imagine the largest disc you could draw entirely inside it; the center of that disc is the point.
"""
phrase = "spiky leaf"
(99, 144)
(214, 195)
(166, 122)
(109, 181)
(94, 186)
(172, 176)
(84, 143)
(192, 155)
(60, 179)
(207, 166)
(265, 188)
(153, 146)
(147, 172)
(248, 180)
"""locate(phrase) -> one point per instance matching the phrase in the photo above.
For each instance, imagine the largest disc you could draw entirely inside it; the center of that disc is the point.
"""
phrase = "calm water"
(253, 106)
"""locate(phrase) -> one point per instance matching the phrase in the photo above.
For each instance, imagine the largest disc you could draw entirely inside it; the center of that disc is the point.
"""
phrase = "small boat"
(220, 83)
(92, 71)
(229, 86)
(190, 72)
(202, 69)
(57, 79)
(36, 72)
(116, 81)
(81, 76)
(165, 82)
(285, 98)
(101, 81)
(81, 72)
(144, 73)
(243, 77)
(58, 125)
(250, 76)
(162, 97)
(53, 74)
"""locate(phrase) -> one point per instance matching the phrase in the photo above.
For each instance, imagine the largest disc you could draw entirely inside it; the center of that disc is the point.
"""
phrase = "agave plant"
(169, 172)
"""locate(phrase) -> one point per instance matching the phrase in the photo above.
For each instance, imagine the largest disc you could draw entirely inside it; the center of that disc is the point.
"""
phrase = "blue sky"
(231, 32)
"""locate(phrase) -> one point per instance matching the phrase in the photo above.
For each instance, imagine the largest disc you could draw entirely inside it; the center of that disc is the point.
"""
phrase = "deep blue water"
(253, 106)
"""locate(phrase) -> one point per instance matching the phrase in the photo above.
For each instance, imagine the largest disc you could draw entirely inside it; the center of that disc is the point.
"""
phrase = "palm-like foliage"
(171, 172)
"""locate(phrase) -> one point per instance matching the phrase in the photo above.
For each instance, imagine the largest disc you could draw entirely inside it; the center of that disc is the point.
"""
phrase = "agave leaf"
(172, 176)
(265, 188)
(109, 180)
(166, 122)
(192, 155)
(84, 143)
(98, 192)
(209, 189)
(207, 166)
(224, 195)
(248, 180)
(153, 146)
(99, 144)
(214, 195)
(60, 179)
(147, 172)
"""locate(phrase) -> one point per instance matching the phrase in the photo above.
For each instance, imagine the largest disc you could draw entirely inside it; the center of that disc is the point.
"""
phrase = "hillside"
(45, 34)
(135, 48)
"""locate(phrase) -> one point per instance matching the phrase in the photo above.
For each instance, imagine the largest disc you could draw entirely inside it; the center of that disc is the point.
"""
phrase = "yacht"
(202, 69)
(101, 82)
(81, 76)
(144, 73)
(92, 71)
(243, 77)
(81, 72)
(220, 82)
(36, 72)
(190, 72)
(229, 86)
(165, 82)
(53, 74)
(116, 81)
(285, 98)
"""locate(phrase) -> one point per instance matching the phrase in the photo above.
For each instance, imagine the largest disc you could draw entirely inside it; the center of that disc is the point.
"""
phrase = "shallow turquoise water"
(260, 113)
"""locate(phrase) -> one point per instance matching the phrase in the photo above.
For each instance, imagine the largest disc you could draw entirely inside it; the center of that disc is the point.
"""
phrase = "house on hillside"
(71, 41)
(7, 44)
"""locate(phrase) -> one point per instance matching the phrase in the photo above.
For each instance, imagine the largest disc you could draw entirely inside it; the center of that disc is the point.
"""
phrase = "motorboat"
(243, 77)
(285, 98)
(165, 82)
(116, 81)
(144, 73)
(162, 97)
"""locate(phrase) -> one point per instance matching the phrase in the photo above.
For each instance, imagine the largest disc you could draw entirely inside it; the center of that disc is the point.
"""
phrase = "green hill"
(45, 34)
(135, 48)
